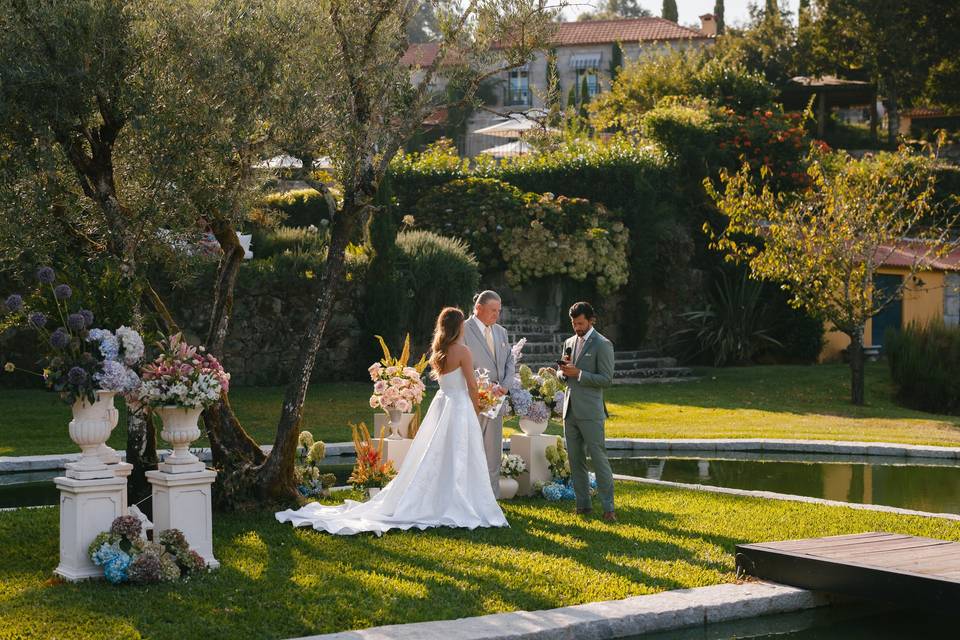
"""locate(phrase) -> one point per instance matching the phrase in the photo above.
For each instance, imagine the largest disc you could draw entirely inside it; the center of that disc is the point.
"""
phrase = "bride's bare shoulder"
(457, 351)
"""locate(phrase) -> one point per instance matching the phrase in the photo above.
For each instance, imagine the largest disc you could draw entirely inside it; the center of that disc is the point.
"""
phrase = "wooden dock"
(882, 566)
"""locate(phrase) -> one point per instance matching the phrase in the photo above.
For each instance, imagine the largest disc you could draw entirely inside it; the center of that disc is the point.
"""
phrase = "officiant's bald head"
(486, 306)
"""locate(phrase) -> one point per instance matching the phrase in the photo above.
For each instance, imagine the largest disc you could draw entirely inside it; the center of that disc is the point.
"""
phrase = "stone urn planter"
(372, 491)
(396, 416)
(180, 428)
(508, 488)
(89, 430)
(532, 428)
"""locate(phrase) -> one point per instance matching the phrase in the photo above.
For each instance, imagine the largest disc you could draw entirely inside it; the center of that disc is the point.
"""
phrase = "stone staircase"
(545, 346)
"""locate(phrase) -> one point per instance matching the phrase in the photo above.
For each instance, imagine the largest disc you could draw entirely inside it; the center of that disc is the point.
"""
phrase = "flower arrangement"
(395, 384)
(511, 466)
(535, 396)
(79, 359)
(126, 556)
(561, 487)
(311, 483)
(183, 376)
(371, 470)
(490, 394)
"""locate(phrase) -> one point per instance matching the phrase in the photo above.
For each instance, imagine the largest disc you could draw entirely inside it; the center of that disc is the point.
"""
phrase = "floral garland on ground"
(127, 557)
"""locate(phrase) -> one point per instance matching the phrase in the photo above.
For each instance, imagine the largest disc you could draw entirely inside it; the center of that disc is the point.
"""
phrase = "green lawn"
(752, 402)
(278, 582)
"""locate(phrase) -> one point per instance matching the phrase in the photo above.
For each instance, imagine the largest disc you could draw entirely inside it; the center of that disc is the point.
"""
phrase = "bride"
(443, 480)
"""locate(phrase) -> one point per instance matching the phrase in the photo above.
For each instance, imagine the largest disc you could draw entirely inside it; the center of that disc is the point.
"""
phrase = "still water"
(924, 485)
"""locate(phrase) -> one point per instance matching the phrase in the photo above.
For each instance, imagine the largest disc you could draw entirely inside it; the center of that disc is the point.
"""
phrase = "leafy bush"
(442, 271)
(925, 366)
(302, 207)
(476, 210)
(293, 240)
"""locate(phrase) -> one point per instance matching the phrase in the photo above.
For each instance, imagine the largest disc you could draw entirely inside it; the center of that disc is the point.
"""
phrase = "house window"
(593, 81)
(518, 86)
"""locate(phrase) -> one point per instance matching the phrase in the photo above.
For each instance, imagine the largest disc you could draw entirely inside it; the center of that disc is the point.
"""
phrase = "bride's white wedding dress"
(443, 480)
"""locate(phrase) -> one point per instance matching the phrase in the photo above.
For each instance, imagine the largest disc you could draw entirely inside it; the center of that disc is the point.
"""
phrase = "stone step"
(657, 372)
(555, 338)
(543, 349)
(526, 330)
(645, 363)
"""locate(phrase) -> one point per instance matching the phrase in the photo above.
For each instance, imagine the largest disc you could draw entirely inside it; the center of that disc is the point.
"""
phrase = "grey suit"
(501, 368)
(584, 413)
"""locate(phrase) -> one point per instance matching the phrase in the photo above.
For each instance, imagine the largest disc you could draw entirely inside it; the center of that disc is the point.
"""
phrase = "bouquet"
(126, 556)
(371, 470)
(511, 466)
(183, 376)
(536, 396)
(311, 483)
(79, 360)
(491, 395)
(395, 384)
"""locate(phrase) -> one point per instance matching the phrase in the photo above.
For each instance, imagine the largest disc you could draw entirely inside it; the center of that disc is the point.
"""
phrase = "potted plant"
(86, 366)
(179, 384)
(534, 397)
(371, 472)
(397, 388)
(511, 466)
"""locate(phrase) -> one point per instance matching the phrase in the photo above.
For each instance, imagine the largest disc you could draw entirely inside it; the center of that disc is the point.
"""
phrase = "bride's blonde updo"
(447, 331)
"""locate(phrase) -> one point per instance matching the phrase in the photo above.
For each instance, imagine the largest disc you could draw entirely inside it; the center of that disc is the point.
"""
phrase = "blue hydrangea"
(37, 320)
(13, 302)
(558, 398)
(520, 400)
(105, 554)
(538, 411)
(116, 569)
(553, 492)
(46, 275)
(109, 345)
(62, 291)
(117, 377)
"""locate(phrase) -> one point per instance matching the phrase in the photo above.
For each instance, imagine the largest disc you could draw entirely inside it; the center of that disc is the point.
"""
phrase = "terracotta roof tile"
(624, 30)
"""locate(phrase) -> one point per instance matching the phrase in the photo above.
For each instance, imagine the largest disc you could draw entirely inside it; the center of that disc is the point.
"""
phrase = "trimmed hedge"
(302, 207)
(925, 366)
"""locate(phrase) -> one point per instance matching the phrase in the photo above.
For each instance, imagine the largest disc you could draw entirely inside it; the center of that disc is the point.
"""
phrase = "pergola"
(830, 91)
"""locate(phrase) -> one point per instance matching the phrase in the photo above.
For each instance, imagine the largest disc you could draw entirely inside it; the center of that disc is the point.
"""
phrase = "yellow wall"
(921, 304)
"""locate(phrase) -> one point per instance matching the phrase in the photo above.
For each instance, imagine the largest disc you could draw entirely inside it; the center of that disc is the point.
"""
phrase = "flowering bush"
(511, 466)
(396, 385)
(558, 461)
(183, 376)
(563, 489)
(371, 470)
(536, 396)
(79, 359)
(127, 557)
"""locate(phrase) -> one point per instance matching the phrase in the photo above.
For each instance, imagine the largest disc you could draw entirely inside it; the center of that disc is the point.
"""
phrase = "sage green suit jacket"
(584, 399)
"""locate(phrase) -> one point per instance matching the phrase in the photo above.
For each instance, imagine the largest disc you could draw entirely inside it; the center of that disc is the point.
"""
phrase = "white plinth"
(182, 501)
(532, 449)
(396, 450)
(122, 470)
(380, 421)
(87, 507)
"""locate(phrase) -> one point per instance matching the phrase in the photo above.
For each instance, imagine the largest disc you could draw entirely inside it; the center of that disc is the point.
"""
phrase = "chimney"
(708, 25)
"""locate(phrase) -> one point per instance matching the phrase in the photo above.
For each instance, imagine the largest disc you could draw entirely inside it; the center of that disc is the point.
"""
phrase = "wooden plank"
(878, 548)
(908, 558)
(828, 543)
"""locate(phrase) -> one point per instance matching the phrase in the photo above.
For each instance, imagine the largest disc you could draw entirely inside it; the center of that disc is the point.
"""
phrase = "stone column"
(87, 508)
(182, 501)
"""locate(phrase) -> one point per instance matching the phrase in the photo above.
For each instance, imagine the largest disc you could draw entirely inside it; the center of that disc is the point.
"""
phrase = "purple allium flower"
(63, 291)
(13, 302)
(60, 338)
(87, 317)
(77, 376)
(37, 320)
(75, 321)
(46, 275)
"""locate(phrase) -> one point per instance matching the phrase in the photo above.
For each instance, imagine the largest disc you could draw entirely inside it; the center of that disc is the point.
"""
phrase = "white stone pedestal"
(122, 470)
(396, 450)
(87, 507)
(532, 449)
(182, 501)
(380, 421)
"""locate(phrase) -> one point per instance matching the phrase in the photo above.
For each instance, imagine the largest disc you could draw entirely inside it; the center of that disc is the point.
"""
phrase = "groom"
(588, 369)
(490, 346)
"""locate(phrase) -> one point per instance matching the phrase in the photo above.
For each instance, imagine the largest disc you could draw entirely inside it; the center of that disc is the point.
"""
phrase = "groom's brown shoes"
(610, 516)
(582, 512)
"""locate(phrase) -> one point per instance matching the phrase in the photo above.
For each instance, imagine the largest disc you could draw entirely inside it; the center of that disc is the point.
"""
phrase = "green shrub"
(476, 210)
(443, 273)
(302, 207)
(265, 244)
(925, 367)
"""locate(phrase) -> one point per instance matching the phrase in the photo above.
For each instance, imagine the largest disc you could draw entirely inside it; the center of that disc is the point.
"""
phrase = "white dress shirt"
(577, 354)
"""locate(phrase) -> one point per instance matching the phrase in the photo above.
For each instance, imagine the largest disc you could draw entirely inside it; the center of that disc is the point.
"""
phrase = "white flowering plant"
(511, 466)
(183, 376)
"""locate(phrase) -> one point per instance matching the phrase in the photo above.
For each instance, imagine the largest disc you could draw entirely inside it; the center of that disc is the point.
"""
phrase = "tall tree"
(718, 16)
(826, 243)
(614, 9)
(669, 11)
